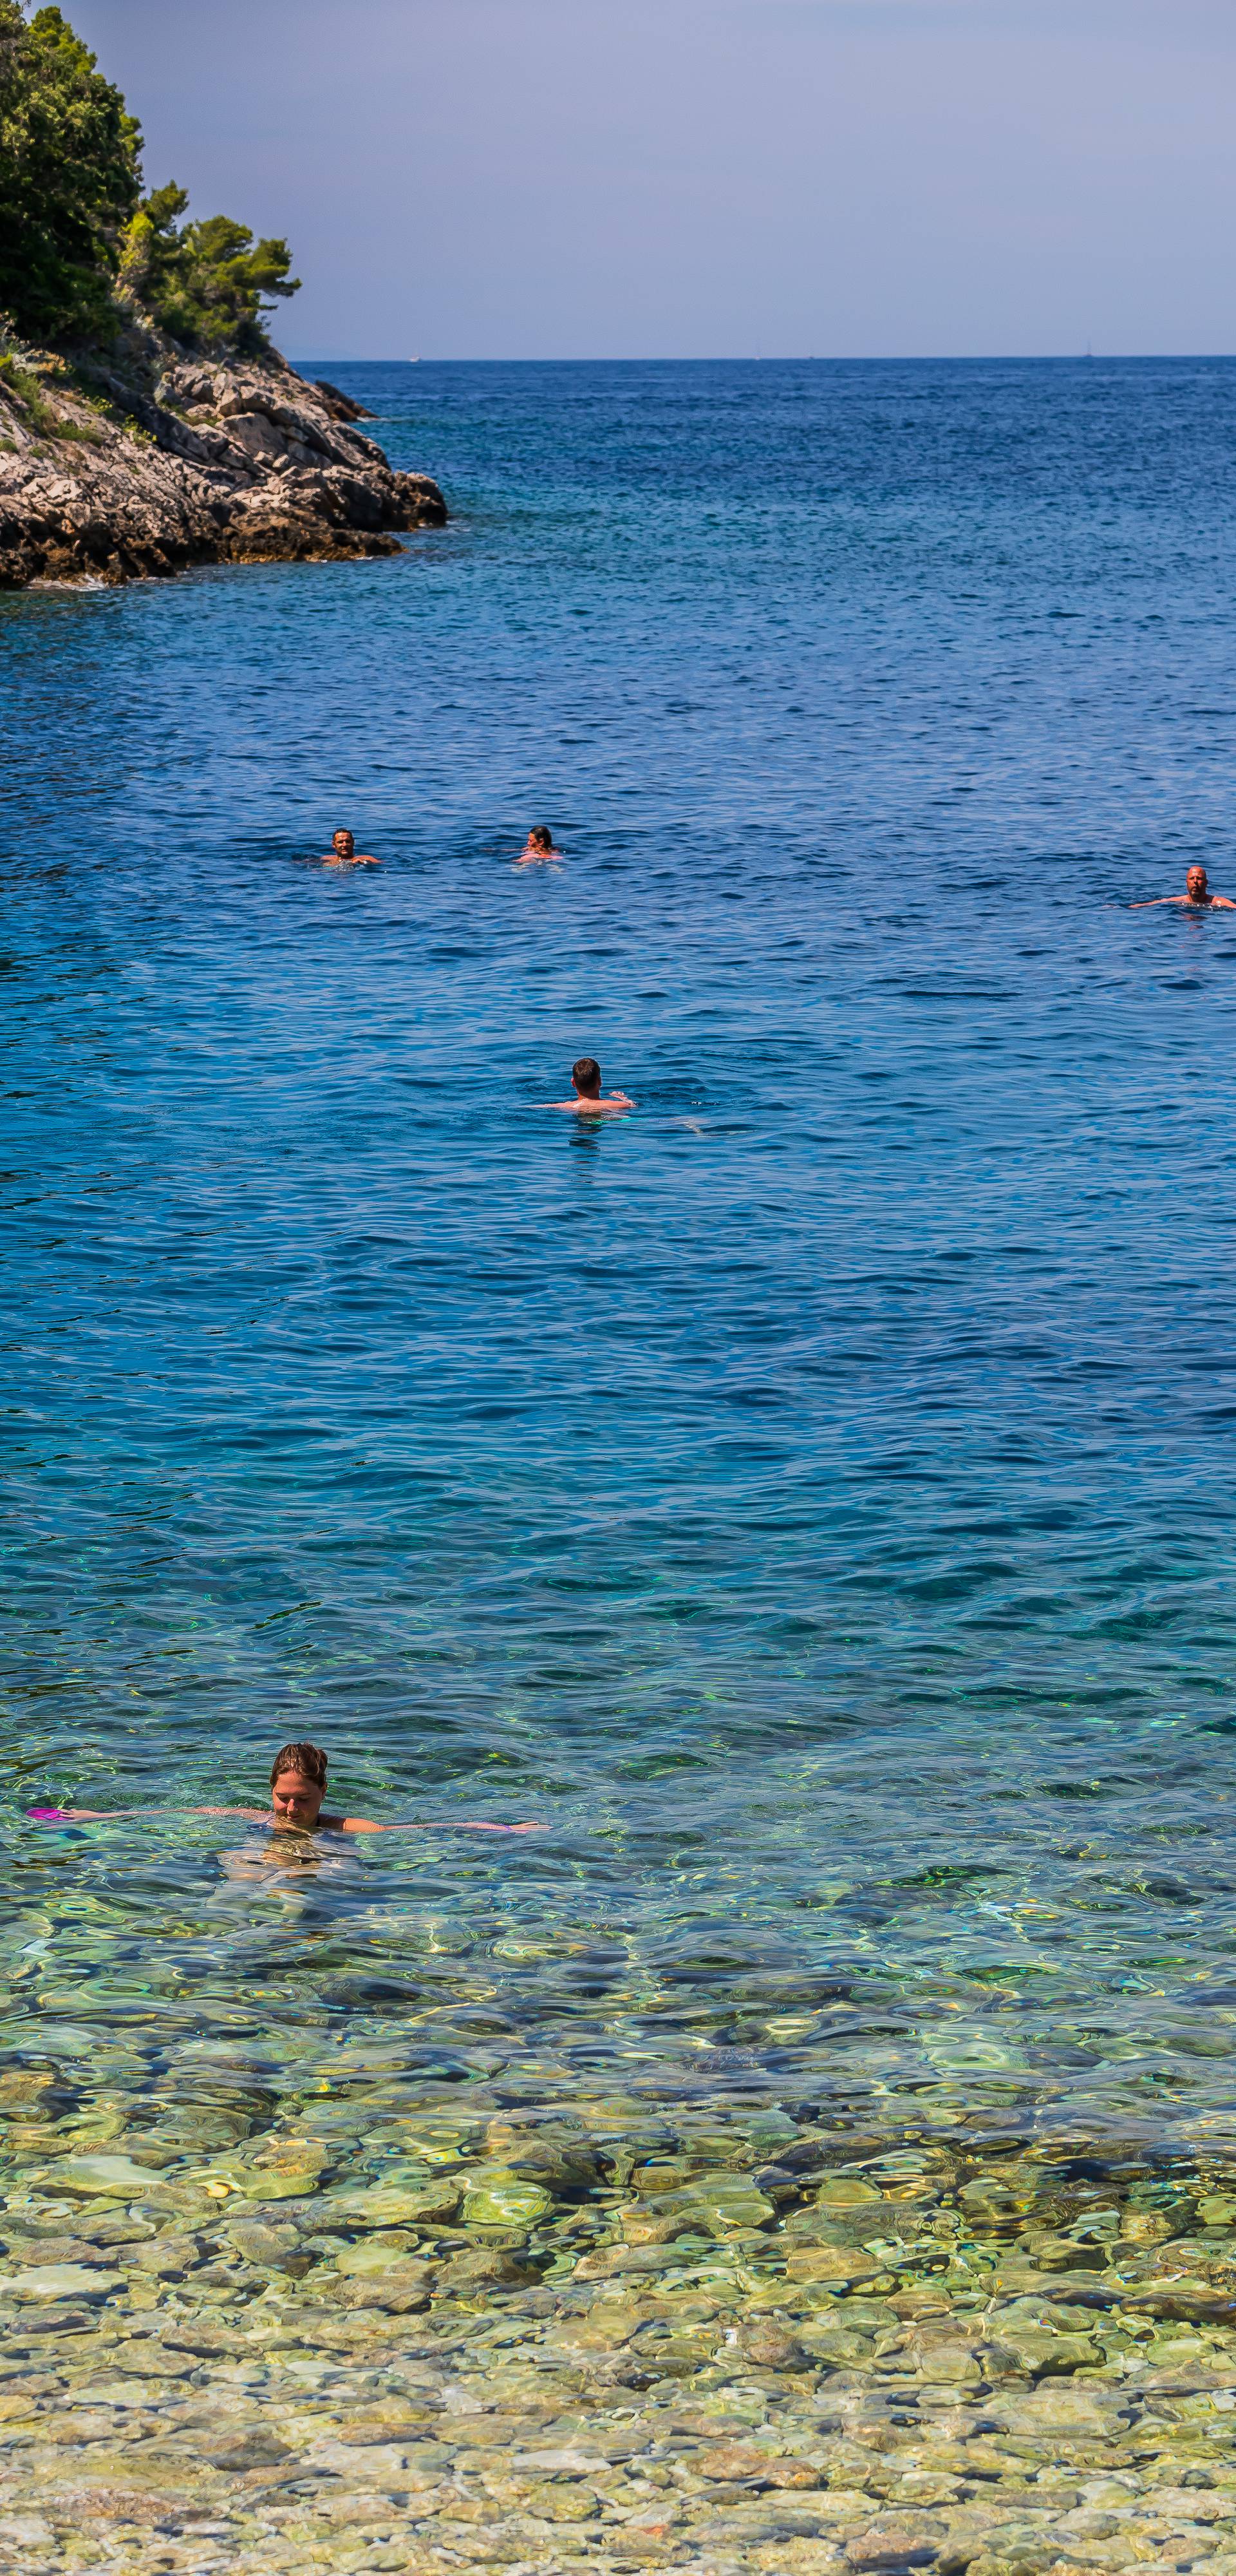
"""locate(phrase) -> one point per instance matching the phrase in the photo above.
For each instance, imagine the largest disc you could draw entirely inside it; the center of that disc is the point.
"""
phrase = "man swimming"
(343, 853)
(1197, 896)
(297, 1794)
(586, 1076)
(539, 845)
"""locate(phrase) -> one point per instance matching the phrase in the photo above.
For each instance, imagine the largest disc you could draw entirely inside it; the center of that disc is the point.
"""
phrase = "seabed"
(614, 2337)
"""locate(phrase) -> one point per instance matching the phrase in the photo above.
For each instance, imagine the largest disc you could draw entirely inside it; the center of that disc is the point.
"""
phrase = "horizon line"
(938, 358)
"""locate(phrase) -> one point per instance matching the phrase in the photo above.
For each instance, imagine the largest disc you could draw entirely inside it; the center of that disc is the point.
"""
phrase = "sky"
(708, 178)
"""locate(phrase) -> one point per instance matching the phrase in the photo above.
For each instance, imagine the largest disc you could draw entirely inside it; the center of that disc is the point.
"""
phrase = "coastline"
(151, 461)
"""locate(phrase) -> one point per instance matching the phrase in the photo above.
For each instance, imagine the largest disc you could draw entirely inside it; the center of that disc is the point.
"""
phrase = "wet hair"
(586, 1075)
(541, 834)
(308, 1759)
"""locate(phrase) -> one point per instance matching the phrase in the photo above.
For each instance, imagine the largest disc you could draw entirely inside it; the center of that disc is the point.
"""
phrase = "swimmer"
(1197, 896)
(297, 1793)
(297, 1790)
(586, 1076)
(539, 845)
(343, 853)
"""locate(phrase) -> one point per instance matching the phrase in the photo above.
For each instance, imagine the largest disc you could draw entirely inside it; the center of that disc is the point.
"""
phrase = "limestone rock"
(154, 461)
(499, 2198)
(830, 2263)
(375, 2253)
(395, 2204)
(402, 2288)
(60, 2281)
(112, 2177)
(263, 2244)
(485, 2268)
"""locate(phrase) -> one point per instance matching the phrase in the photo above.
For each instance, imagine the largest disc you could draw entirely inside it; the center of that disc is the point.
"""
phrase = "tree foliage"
(75, 229)
(206, 282)
(69, 178)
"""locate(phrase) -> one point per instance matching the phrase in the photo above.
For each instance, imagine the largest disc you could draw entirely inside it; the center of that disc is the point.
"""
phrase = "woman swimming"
(297, 1792)
(539, 845)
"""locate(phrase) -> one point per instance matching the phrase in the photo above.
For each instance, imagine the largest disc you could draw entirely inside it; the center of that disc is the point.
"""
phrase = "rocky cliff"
(151, 460)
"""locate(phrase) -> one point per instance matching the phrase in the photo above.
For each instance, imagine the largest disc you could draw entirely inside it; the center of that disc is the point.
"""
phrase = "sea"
(805, 1501)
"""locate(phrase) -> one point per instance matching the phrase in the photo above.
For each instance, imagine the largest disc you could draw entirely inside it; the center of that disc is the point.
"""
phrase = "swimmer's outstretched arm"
(1151, 902)
(418, 1825)
(592, 1108)
(261, 1816)
(105, 1815)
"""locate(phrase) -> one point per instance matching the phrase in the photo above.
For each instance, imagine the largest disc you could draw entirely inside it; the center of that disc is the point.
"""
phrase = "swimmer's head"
(540, 838)
(586, 1076)
(1196, 882)
(343, 844)
(298, 1784)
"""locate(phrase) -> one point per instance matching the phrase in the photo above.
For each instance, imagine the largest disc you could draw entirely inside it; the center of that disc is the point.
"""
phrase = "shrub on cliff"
(205, 283)
(69, 179)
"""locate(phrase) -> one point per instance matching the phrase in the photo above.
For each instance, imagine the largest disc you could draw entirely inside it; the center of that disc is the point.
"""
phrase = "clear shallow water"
(810, 1498)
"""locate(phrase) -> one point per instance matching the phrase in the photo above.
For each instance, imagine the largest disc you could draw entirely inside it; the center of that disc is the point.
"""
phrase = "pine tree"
(69, 179)
(202, 282)
(75, 229)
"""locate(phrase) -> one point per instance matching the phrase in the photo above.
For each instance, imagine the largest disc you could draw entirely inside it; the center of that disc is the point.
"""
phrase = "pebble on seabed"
(606, 2340)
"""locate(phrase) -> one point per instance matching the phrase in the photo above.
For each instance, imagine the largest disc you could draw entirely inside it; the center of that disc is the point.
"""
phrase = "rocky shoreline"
(152, 460)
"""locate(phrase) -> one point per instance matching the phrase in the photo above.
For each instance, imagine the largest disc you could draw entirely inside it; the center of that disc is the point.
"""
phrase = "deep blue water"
(810, 1497)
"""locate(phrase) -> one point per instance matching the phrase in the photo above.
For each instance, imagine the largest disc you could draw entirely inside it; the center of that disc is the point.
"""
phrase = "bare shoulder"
(353, 1824)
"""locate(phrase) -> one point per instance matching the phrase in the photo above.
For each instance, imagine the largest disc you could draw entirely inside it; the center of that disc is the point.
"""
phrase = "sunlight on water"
(807, 1500)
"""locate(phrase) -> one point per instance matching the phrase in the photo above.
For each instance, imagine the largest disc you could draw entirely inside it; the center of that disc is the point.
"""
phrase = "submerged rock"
(375, 2253)
(277, 2168)
(500, 2199)
(59, 2281)
(393, 2204)
(112, 2177)
(400, 2285)
(261, 2243)
(383, 2345)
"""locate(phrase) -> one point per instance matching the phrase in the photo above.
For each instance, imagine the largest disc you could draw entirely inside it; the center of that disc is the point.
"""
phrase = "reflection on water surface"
(809, 1500)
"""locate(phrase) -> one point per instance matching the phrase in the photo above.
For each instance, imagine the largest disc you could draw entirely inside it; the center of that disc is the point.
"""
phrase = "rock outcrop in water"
(152, 460)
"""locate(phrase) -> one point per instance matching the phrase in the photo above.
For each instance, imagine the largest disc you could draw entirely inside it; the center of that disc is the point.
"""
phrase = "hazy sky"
(699, 178)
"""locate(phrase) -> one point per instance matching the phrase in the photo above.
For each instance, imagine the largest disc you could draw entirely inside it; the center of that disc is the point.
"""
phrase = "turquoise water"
(809, 1499)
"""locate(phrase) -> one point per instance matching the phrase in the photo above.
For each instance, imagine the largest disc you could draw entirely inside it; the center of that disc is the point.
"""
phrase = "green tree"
(70, 179)
(204, 283)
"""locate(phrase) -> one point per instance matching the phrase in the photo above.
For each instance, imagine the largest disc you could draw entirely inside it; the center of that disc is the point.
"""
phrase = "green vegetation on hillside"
(70, 179)
(78, 241)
